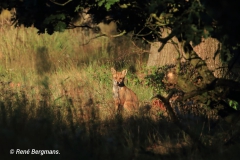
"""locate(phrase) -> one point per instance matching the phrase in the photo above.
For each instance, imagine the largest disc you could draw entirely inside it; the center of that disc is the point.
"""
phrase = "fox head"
(118, 77)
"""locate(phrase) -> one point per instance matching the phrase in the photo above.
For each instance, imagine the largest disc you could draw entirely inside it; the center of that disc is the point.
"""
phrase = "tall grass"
(56, 93)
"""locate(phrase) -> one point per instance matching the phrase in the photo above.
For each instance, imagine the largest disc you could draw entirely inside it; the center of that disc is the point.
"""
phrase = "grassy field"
(56, 94)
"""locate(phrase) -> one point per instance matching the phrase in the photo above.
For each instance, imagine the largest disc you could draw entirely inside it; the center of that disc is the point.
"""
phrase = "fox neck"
(116, 87)
(121, 84)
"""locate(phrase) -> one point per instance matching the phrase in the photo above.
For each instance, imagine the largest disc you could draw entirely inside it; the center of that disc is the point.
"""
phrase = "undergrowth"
(57, 95)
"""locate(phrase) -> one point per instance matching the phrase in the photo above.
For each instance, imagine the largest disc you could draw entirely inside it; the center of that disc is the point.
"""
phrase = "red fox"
(124, 97)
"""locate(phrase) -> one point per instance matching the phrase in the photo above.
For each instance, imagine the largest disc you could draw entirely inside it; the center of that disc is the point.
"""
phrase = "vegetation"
(69, 107)
(190, 20)
(53, 98)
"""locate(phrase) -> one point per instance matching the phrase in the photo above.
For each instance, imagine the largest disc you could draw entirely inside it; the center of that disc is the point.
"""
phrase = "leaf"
(194, 28)
(208, 28)
(233, 104)
(107, 6)
(100, 3)
(78, 8)
(107, 3)
(60, 26)
(110, 3)
(53, 18)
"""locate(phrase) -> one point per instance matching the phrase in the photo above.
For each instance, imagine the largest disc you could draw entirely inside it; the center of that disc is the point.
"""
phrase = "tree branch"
(143, 35)
(112, 36)
(139, 49)
(60, 3)
(118, 35)
(175, 119)
(93, 39)
(80, 26)
(165, 40)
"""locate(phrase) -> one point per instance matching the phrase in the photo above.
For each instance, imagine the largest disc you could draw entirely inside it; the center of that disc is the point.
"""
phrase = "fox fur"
(124, 97)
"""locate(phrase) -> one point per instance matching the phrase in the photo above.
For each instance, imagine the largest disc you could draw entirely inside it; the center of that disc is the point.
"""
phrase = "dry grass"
(56, 94)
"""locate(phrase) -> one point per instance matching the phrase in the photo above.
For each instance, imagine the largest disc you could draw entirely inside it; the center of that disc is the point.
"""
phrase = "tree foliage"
(189, 20)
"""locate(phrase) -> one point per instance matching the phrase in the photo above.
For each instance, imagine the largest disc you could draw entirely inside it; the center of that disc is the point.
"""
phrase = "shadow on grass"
(42, 61)
(78, 132)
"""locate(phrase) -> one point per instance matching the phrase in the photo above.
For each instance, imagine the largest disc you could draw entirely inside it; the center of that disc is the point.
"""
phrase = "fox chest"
(126, 94)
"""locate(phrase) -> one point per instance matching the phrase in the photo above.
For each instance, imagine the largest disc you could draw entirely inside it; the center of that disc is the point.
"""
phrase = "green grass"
(57, 94)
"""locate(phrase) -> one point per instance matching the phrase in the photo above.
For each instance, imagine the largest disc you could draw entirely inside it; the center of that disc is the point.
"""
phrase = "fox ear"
(113, 70)
(124, 72)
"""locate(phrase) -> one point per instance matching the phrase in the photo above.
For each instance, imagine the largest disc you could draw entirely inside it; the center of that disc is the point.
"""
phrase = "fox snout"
(118, 83)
